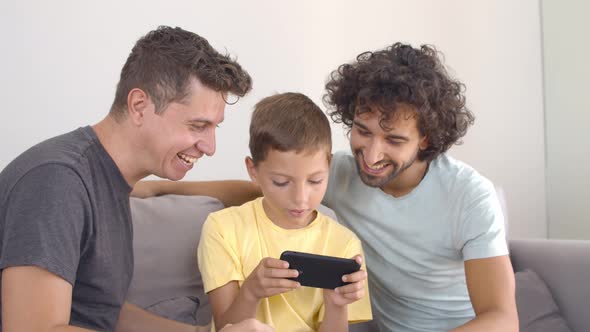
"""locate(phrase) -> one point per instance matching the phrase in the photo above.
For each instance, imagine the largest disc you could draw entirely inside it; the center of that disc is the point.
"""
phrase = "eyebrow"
(203, 121)
(390, 136)
(289, 177)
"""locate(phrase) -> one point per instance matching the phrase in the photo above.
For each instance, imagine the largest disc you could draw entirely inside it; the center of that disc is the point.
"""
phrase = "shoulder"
(342, 172)
(48, 180)
(336, 229)
(68, 150)
(460, 179)
(235, 216)
(342, 160)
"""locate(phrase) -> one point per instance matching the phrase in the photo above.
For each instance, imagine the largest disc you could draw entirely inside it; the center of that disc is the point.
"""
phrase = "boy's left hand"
(350, 293)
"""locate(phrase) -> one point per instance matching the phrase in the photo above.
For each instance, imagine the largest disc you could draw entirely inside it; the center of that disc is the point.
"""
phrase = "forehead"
(403, 117)
(203, 104)
(294, 163)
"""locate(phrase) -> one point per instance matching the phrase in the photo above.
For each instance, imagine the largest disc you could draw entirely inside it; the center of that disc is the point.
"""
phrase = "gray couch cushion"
(537, 310)
(166, 234)
(564, 265)
(183, 309)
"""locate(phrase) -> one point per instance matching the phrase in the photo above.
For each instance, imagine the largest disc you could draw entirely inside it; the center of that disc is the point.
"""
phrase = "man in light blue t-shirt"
(431, 226)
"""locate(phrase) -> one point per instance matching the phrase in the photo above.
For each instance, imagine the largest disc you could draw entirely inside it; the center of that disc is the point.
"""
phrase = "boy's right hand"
(270, 278)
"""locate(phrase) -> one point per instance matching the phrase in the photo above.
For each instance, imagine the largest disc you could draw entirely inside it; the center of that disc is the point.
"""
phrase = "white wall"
(60, 61)
(566, 47)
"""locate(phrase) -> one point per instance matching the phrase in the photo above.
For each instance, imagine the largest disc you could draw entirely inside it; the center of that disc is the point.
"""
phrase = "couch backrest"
(166, 231)
(564, 265)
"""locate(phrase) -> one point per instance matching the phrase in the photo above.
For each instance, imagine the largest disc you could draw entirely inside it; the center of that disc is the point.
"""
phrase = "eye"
(316, 182)
(362, 132)
(197, 127)
(394, 143)
(280, 184)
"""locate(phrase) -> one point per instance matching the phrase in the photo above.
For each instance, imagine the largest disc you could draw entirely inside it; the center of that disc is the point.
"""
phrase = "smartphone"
(319, 271)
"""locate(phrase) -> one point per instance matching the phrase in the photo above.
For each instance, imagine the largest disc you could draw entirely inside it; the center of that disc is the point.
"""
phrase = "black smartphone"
(319, 271)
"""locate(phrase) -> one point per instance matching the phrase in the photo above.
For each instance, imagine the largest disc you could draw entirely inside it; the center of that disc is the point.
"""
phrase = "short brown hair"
(163, 63)
(288, 122)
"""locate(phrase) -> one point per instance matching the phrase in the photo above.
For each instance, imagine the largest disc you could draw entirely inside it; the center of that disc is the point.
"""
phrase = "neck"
(407, 180)
(116, 139)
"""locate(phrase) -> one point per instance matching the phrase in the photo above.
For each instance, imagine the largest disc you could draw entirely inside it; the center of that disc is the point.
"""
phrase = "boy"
(290, 143)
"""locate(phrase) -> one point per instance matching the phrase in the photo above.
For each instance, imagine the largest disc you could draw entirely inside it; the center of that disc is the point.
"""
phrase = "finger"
(355, 277)
(354, 296)
(358, 259)
(351, 288)
(281, 283)
(280, 273)
(274, 263)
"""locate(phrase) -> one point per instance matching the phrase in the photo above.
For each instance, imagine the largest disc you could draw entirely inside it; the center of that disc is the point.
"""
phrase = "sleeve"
(46, 215)
(482, 224)
(359, 311)
(218, 259)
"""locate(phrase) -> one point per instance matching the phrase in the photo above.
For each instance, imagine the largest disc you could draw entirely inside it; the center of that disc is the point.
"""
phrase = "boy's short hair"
(288, 122)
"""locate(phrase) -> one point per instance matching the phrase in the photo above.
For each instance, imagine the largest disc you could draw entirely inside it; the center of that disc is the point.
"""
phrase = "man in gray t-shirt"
(65, 209)
(65, 229)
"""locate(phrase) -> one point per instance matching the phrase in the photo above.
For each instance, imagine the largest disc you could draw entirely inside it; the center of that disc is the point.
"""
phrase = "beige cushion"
(166, 279)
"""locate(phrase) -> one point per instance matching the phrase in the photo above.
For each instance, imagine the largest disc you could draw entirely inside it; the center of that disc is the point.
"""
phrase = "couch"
(552, 276)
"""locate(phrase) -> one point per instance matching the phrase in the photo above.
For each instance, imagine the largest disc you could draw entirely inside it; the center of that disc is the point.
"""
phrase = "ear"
(251, 169)
(138, 104)
(423, 143)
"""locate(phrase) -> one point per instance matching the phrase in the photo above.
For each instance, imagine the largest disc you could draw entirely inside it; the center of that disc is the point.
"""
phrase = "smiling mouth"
(375, 170)
(186, 159)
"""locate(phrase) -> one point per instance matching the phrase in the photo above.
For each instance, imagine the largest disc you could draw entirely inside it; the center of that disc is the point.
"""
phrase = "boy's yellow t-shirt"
(234, 240)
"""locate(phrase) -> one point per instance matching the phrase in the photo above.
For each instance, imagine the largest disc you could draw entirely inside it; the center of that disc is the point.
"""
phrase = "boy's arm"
(229, 306)
(335, 318)
(231, 303)
(336, 301)
(229, 192)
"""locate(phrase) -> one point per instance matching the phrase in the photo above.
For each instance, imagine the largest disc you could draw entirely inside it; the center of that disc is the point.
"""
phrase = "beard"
(382, 180)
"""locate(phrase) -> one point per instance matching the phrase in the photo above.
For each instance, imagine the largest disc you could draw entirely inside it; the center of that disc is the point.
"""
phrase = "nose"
(207, 144)
(300, 194)
(373, 152)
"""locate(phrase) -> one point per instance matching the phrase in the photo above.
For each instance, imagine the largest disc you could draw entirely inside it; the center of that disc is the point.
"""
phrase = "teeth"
(186, 158)
(376, 168)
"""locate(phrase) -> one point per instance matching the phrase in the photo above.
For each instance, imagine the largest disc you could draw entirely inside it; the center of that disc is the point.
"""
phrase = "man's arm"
(136, 319)
(229, 192)
(490, 282)
(35, 300)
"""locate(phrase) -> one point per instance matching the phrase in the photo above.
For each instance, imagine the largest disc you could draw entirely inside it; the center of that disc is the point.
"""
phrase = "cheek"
(319, 193)
(354, 139)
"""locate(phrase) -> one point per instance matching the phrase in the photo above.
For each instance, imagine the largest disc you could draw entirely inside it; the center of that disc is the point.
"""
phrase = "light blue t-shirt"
(415, 245)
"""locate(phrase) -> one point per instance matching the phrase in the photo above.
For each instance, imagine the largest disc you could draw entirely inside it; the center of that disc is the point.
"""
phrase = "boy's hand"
(350, 293)
(270, 278)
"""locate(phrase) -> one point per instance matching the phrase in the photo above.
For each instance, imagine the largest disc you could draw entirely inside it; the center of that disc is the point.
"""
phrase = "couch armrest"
(564, 265)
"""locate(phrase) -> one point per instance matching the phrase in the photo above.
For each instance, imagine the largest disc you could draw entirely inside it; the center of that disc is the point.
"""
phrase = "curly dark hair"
(163, 63)
(402, 74)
